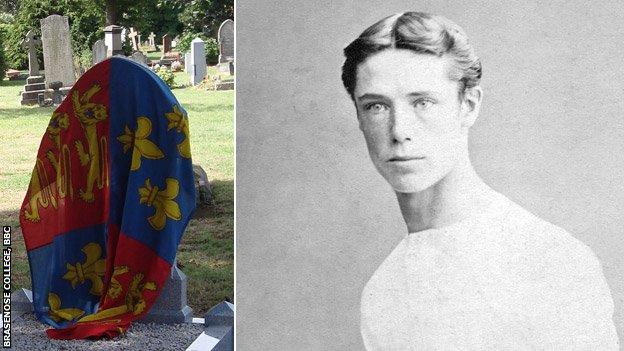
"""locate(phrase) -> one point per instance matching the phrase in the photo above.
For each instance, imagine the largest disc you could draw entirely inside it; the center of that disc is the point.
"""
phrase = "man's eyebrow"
(369, 96)
(422, 93)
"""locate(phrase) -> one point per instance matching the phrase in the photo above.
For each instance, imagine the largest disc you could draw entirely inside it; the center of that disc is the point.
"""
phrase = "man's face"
(410, 113)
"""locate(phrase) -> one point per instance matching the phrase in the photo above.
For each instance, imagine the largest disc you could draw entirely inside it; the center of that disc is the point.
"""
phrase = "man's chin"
(412, 185)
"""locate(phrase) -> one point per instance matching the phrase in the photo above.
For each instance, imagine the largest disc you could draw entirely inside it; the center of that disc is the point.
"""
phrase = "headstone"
(226, 41)
(57, 96)
(99, 51)
(152, 44)
(30, 44)
(139, 40)
(57, 52)
(187, 62)
(133, 38)
(198, 61)
(166, 39)
(112, 40)
(175, 42)
(139, 57)
(202, 187)
(219, 332)
(171, 306)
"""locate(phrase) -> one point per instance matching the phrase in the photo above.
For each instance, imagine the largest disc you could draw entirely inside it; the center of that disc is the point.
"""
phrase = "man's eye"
(375, 107)
(423, 104)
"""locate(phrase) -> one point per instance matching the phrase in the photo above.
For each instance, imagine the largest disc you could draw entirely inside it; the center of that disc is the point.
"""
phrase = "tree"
(9, 6)
(206, 15)
(86, 20)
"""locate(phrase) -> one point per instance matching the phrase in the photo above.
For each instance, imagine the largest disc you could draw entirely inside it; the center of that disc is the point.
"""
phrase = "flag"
(110, 195)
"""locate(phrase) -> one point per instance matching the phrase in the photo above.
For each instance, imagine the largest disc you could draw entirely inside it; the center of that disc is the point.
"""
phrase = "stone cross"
(152, 44)
(133, 36)
(30, 44)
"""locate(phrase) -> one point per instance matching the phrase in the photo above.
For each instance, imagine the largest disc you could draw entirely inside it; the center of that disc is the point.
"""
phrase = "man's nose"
(403, 125)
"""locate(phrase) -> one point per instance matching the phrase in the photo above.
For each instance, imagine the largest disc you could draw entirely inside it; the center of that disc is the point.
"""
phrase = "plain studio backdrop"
(314, 219)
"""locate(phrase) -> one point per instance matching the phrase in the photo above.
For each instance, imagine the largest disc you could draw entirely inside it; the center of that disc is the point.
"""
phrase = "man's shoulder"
(550, 244)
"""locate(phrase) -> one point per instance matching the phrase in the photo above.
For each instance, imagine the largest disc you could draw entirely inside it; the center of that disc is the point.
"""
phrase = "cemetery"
(44, 91)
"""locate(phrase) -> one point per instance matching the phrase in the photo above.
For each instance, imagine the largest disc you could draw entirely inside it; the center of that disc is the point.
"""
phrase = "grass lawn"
(206, 253)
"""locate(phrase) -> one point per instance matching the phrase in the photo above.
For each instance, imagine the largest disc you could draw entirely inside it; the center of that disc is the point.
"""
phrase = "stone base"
(224, 86)
(185, 315)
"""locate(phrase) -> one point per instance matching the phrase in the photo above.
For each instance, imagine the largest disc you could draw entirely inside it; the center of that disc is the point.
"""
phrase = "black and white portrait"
(435, 175)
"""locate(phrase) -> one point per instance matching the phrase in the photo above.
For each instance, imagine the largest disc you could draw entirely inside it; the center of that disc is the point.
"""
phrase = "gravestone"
(133, 38)
(187, 62)
(226, 41)
(175, 42)
(171, 306)
(139, 57)
(152, 44)
(30, 44)
(197, 65)
(219, 332)
(35, 84)
(99, 51)
(57, 52)
(166, 42)
(112, 40)
(139, 40)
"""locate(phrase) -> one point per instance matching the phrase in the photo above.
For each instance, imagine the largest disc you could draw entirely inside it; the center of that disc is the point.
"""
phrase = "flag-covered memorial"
(111, 193)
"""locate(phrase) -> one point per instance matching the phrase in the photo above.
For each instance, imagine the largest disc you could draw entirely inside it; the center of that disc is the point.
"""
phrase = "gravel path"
(29, 334)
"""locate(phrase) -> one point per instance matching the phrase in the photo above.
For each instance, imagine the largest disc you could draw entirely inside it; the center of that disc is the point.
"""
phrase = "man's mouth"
(405, 158)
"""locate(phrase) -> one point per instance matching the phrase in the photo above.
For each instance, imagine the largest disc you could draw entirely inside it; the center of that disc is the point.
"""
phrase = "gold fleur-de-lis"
(162, 200)
(57, 313)
(134, 300)
(180, 123)
(92, 269)
(142, 147)
(115, 287)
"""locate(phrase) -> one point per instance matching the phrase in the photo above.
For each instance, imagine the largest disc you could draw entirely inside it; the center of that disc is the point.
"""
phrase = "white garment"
(504, 280)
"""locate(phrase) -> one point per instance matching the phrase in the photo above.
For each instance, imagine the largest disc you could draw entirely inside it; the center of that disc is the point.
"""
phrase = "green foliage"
(212, 47)
(166, 75)
(3, 67)
(86, 20)
(205, 16)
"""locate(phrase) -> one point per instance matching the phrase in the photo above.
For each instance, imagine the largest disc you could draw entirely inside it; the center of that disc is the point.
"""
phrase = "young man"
(476, 271)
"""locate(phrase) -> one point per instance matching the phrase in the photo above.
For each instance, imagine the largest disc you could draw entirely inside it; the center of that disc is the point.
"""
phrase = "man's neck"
(459, 195)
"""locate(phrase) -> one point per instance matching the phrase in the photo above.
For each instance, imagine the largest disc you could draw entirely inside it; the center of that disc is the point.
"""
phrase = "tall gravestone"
(99, 51)
(187, 62)
(166, 42)
(57, 52)
(197, 66)
(112, 40)
(226, 41)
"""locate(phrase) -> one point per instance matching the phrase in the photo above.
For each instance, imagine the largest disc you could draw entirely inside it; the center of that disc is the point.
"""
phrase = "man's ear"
(471, 105)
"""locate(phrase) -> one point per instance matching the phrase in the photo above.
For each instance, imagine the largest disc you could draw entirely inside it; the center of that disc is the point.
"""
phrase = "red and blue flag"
(110, 195)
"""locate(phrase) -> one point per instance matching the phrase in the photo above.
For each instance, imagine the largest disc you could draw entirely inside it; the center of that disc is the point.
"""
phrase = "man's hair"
(421, 33)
